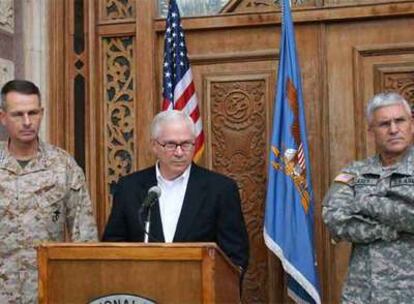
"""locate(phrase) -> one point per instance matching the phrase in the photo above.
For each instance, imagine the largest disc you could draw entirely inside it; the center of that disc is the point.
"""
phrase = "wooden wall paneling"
(66, 66)
(369, 61)
(323, 15)
(262, 6)
(325, 256)
(118, 87)
(68, 78)
(341, 39)
(148, 101)
(125, 89)
(76, 69)
(115, 104)
(96, 117)
(358, 2)
(57, 77)
(341, 133)
(92, 111)
(78, 75)
(311, 56)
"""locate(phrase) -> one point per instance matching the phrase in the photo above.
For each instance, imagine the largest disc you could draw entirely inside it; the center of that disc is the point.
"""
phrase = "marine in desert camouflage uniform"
(371, 205)
(42, 193)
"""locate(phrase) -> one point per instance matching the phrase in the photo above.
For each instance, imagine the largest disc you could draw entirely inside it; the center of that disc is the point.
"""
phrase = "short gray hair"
(170, 116)
(383, 100)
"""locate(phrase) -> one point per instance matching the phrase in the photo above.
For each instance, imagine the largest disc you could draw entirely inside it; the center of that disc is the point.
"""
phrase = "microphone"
(153, 194)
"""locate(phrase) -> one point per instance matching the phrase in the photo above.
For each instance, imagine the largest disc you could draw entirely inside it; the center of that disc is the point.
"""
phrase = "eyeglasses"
(172, 146)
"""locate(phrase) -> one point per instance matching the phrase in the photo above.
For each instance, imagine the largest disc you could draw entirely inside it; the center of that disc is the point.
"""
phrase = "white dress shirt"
(171, 201)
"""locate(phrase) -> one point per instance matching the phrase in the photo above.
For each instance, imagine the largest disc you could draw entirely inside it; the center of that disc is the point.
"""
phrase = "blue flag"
(288, 229)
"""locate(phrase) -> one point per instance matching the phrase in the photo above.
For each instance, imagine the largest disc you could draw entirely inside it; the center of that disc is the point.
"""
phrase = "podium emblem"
(122, 298)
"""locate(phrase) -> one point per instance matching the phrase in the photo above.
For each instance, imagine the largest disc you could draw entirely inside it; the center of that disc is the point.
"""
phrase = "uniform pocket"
(51, 209)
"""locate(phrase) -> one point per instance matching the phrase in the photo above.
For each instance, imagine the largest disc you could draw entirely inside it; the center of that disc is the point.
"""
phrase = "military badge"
(344, 178)
(55, 216)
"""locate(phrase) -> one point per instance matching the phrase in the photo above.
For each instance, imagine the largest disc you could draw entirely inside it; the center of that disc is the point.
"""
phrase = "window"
(193, 7)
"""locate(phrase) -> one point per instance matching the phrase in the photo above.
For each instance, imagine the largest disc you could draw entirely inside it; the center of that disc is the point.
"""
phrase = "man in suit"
(196, 204)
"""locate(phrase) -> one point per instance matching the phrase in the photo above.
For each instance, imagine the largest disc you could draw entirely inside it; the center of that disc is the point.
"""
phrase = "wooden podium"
(161, 272)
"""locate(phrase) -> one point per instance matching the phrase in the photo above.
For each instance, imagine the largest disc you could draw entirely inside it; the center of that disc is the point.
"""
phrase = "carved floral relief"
(119, 106)
(119, 9)
(238, 127)
(403, 83)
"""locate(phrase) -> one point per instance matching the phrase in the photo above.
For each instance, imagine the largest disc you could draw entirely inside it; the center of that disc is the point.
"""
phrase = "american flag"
(178, 85)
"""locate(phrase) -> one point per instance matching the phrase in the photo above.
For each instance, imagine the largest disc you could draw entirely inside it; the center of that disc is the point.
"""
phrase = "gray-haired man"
(196, 204)
(371, 205)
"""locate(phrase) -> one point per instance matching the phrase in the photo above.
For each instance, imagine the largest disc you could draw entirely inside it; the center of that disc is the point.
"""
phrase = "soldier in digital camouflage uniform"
(371, 205)
(42, 193)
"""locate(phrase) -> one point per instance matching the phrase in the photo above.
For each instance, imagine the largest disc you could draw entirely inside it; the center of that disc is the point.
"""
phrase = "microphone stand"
(150, 201)
(147, 225)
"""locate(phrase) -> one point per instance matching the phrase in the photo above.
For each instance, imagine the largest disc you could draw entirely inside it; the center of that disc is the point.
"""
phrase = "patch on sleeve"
(344, 178)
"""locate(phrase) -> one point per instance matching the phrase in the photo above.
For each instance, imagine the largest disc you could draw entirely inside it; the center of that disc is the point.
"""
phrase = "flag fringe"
(291, 270)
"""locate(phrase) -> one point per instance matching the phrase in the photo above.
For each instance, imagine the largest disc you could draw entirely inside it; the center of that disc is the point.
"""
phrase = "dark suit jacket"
(211, 212)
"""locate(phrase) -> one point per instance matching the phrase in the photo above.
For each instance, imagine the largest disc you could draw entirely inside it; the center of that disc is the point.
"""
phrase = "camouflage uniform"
(373, 207)
(36, 203)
